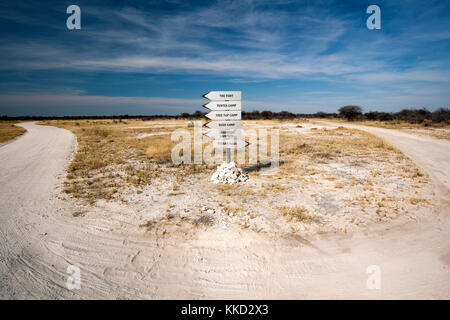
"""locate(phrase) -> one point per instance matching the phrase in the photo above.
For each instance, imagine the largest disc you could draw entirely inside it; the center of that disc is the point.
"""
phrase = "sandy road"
(39, 239)
(30, 166)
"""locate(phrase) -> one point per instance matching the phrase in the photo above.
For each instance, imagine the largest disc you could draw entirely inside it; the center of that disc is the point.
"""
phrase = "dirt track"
(40, 239)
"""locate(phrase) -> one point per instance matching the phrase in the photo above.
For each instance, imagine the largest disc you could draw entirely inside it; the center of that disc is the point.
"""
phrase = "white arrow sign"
(223, 105)
(226, 107)
(223, 134)
(224, 125)
(223, 95)
(232, 144)
(224, 115)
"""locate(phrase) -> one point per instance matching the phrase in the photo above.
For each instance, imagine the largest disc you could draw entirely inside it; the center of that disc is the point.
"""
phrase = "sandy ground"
(40, 239)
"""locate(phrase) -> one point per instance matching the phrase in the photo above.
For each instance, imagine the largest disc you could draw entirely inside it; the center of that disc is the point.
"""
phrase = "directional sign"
(224, 115)
(226, 107)
(223, 95)
(232, 144)
(223, 134)
(223, 105)
(224, 125)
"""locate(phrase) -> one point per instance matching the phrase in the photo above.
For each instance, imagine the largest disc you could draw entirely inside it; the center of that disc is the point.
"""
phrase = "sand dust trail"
(39, 239)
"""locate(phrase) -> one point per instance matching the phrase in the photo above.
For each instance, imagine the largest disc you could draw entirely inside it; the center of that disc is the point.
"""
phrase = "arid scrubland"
(329, 180)
(114, 154)
(440, 130)
(9, 131)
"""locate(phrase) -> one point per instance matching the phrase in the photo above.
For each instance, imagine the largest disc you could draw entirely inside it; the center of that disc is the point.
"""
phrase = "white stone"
(228, 172)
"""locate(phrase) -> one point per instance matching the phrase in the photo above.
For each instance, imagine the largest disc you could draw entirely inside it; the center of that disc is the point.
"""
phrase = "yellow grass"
(296, 213)
(395, 124)
(111, 161)
(110, 156)
(159, 147)
(329, 143)
(9, 131)
(432, 133)
(440, 130)
(178, 222)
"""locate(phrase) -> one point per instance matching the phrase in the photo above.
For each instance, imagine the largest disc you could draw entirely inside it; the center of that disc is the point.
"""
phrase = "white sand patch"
(158, 126)
(145, 135)
(254, 125)
(304, 127)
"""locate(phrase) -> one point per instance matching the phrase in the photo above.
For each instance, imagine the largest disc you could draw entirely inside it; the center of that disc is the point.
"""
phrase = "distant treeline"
(411, 115)
(267, 115)
(348, 112)
(116, 117)
(408, 115)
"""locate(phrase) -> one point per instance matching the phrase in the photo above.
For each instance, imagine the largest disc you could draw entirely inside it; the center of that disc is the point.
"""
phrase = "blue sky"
(159, 57)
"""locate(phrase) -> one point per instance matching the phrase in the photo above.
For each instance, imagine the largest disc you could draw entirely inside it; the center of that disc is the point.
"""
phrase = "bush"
(350, 112)
(321, 114)
(385, 116)
(441, 115)
(380, 116)
(414, 115)
(267, 114)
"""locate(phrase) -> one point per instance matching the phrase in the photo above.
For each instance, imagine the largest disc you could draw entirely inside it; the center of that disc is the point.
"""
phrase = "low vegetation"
(327, 144)
(9, 131)
(440, 130)
(178, 222)
(111, 155)
(296, 213)
(350, 112)
(327, 177)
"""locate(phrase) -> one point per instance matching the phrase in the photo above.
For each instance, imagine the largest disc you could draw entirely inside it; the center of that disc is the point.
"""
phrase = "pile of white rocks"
(228, 172)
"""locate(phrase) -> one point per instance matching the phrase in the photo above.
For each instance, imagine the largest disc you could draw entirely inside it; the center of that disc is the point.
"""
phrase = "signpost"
(223, 133)
(224, 115)
(223, 96)
(225, 128)
(225, 125)
(230, 144)
(228, 105)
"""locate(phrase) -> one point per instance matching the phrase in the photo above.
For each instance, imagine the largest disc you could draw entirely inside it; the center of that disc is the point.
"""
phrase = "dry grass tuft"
(416, 201)
(203, 220)
(296, 213)
(178, 222)
(169, 219)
